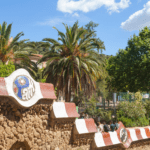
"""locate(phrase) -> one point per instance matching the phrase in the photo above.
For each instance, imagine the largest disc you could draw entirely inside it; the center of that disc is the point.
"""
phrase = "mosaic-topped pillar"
(24, 90)
(63, 116)
(83, 131)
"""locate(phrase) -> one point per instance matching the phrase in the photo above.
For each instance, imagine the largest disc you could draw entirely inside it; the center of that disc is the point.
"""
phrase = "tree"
(38, 47)
(6, 43)
(129, 68)
(73, 65)
(103, 87)
(90, 27)
(79, 98)
(32, 68)
(90, 107)
(92, 110)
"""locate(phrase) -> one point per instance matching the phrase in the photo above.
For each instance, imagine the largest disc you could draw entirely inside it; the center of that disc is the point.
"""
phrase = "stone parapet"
(64, 110)
(30, 119)
(83, 131)
(84, 126)
(120, 136)
(63, 116)
(139, 133)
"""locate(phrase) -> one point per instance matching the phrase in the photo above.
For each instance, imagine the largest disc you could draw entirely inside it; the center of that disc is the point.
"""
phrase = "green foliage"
(103, 87)
(90, 107)
(126, 96)
(147, 107)
(101, 83)
(129, 67)
(79, 98)
(56, 91)
(130, 96)
(132, 114)
(37, 47)
(138, 97)
(43, 80)
(33, 69)
(6, 43)
(106, 115)
(93, 111)
(90, 27)
(73, 64)
(128, 122)
(132, 109)
(6, 70)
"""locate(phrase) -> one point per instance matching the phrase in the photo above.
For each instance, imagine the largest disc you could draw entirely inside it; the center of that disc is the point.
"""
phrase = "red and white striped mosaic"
(84, 126)
(121, 136)
(64, 110)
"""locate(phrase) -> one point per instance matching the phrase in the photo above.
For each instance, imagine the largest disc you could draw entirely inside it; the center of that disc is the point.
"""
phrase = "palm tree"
(6, 43)
(38, 47)
(31, 67)
(73, 65)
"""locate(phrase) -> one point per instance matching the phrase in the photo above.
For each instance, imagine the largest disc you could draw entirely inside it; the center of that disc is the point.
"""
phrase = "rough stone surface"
(33, 129)
(30, 129)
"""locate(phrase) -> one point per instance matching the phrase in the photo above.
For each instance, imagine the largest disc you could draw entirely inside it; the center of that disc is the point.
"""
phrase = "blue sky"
(117, 19)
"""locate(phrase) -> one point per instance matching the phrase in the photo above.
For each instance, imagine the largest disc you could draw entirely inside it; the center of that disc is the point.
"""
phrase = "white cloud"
(67, 19)
(75, 15)
(138, 20)
(71, 6)
(52, 22)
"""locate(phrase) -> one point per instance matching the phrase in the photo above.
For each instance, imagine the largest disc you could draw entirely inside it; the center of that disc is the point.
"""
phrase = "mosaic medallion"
(123, 135)
(24, 88)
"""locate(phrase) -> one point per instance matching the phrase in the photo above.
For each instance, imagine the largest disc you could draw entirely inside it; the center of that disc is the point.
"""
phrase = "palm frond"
(7, 33)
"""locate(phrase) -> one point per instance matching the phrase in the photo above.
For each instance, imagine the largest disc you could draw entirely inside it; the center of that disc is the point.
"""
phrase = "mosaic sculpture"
(22, 88)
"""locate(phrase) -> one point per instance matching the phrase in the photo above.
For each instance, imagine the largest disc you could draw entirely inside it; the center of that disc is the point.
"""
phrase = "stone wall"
(30, 129)
(31, 120)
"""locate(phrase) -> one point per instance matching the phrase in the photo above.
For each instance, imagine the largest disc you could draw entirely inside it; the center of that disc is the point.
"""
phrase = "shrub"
(147, 107)
(90, 107)
(138, 96)
(105, 115)
(132, 114)
(131, 109)
(128, 122)
(6, 70)
(94, 112)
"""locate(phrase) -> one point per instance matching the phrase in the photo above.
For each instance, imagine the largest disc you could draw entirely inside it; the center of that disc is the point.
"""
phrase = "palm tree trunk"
(70, 92)
(66, 93)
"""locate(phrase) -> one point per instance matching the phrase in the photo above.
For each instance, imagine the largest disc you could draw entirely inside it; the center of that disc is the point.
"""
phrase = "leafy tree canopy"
(130, 67)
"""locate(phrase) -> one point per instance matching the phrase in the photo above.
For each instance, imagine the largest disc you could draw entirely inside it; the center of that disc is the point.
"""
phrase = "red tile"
(47, 90)
(71, 110)
(138, 134)
(107, 139)
(90, 125)
(147, 131)
(3, 90)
